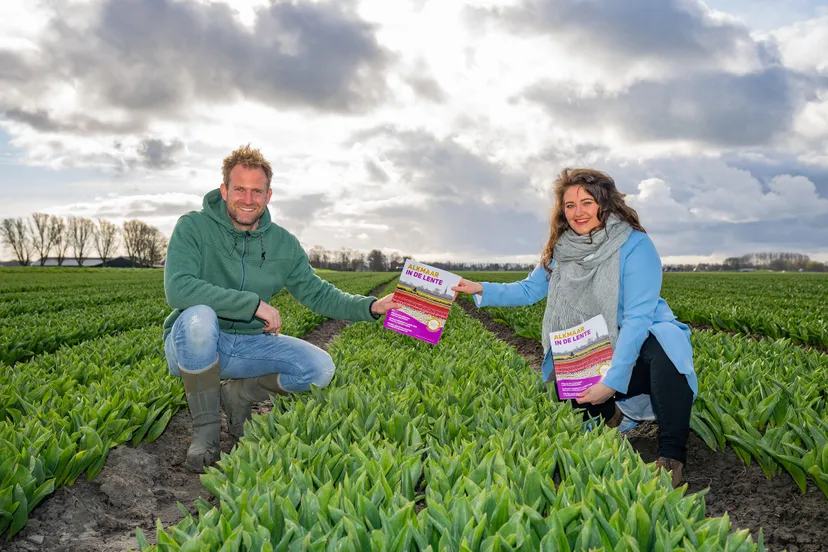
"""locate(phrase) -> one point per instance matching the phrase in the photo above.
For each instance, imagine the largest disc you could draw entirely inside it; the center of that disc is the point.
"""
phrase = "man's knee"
(199, 326)
(322, 371)
(199, 322)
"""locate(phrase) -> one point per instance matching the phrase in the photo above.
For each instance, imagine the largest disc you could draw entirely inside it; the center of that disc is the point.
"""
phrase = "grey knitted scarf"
(584, 279)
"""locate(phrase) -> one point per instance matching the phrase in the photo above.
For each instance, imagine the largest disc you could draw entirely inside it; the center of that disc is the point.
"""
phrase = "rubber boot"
(238, 396)
(202, 389)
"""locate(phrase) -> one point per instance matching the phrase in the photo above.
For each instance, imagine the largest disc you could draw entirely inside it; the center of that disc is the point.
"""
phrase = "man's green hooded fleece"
(210, 262)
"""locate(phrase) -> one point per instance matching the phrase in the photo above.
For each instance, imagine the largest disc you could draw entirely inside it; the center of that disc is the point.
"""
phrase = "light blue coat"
(641, 311)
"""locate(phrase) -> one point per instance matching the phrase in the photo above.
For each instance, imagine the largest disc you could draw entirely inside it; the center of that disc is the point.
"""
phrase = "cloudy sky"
(434, 127)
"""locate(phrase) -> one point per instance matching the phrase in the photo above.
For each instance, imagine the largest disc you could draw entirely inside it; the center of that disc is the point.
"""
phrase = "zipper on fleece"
(244, 250)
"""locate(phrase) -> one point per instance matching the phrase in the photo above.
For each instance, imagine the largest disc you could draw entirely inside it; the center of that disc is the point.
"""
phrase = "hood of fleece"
(215, 207)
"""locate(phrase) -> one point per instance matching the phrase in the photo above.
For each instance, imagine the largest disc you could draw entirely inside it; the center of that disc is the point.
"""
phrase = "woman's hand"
(467, 286)
(596, 394)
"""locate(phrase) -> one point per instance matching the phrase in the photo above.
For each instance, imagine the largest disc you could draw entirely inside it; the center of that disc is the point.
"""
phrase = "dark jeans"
(655, 374)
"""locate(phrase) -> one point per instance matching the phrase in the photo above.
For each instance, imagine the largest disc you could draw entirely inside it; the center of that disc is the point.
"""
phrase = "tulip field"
(413, 446)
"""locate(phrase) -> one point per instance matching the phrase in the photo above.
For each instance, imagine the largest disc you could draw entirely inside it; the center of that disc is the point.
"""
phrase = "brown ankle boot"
(673, 466)
(615, 421)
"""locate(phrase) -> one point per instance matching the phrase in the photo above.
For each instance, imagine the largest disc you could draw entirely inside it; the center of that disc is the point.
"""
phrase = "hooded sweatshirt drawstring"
(246, 250)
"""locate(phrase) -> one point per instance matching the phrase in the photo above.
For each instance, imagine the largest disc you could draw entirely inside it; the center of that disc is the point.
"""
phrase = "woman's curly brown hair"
(600, 186)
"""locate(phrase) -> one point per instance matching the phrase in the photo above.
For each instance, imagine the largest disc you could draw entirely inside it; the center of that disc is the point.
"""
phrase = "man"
(224, 264)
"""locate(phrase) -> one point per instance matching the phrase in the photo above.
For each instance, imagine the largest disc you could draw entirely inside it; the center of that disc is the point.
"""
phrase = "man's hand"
(270, 316)
(467, 286)
(596, 394)
(384, 305)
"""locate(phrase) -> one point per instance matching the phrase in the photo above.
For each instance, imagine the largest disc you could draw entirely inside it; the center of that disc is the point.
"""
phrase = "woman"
(599, 260)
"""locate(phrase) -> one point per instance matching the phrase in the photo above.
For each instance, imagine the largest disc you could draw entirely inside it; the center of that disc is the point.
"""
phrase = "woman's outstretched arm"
(528, 291)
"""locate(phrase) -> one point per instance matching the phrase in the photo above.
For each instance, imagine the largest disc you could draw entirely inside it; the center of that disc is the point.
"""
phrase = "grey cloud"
(143, 208)
(156, 154)
(37, 119)
(14, 68)
(715, 108)
(679, 31)
(375, 172)
(427, 88)
(296, 213)
(808, 236)
(42, 120)
(459, 199)
(445, 169)
(155, 58)
(470, 227)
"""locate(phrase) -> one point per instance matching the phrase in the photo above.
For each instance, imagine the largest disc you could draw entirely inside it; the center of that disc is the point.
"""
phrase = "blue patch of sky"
(766, 15)
(20, 180)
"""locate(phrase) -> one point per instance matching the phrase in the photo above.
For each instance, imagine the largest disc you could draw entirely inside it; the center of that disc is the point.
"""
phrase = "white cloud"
(717, 193)
(657, 208)
(803, 45)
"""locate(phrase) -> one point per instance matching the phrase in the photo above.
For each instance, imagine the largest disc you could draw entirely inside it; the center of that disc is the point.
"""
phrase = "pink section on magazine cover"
(408, 325)
(571, 388)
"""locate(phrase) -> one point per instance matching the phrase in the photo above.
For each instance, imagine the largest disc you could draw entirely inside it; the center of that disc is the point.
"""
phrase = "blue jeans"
(195, 340)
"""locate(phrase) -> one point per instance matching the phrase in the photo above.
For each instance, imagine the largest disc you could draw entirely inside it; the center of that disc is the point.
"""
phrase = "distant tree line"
(482, 266)
(41, 236)
(376, 261)
(792, 262)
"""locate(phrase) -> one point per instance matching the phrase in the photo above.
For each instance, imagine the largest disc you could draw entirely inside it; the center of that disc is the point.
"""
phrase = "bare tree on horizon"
(57, 229)
(42, 238)
(106, 239)
(145, 244)
(132, 239)
(81, 231)
(153, 246)
(15, 232)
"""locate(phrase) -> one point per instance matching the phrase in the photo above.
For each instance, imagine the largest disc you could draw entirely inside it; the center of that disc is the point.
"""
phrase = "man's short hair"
(249, 158)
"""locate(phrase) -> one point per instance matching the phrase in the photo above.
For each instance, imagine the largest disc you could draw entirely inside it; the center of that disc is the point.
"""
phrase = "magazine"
(581, 356)
(426, 297)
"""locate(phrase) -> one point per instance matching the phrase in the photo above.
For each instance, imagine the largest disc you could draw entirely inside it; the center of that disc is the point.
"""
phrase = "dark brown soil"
(789, 519)
(323, 334)
(136, 487)
(529, 349)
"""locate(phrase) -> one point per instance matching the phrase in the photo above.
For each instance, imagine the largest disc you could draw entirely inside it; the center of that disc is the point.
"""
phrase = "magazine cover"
(426, 296)
(581, 355)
